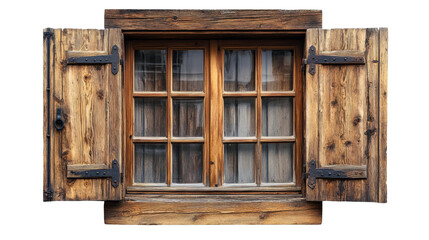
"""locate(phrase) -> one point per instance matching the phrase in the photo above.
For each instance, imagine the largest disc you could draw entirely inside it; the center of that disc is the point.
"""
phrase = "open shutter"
(82, 114)
(346, 114)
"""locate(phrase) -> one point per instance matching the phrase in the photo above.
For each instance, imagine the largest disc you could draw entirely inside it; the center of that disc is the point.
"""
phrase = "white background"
(23, 214)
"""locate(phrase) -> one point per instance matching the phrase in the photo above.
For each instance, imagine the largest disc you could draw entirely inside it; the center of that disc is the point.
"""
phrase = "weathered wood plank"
(311, 108)
(382, 145)
(371, 131)
(212, 19)
(58, 165)
(198, 209)
(114, 109)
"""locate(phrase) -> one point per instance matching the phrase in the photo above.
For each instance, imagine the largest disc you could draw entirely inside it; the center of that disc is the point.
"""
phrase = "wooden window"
(211, 113)
(259, 99)
(167, 85)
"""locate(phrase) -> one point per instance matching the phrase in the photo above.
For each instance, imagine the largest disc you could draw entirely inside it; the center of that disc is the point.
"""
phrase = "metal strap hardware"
(113, 59)
(101, 173)
(314, 59)
(314, 173)
(48, 193)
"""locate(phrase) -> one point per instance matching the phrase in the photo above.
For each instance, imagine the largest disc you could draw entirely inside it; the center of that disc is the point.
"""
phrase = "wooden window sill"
(213, 209)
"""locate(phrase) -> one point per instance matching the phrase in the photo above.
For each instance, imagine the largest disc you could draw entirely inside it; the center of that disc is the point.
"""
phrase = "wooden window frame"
(296, 93)
(168, 94)
(213, 113)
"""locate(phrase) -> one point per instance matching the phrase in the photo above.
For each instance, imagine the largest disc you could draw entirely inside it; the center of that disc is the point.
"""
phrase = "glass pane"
(149, 163)
(277, 162)
(150, 117)
(239, 163)
(239, 117)
(277, 70)
(277, 116)
(188, 117)
(188, 70)
(150, 70)
(239, 70)
(187, 163)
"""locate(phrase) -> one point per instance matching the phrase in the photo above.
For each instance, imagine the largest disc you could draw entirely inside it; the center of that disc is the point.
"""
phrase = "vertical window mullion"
(169, 116)
(258, 112)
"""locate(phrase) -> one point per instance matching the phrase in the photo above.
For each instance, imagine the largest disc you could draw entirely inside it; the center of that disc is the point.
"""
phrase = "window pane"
(277, 70)
(277, 162)
(187, 163)
(188, 117)
(239, 163)
(150, 70)
(277, 116)
(150, 117)
(239, 117)
(149, 163)
(188, 70)
(239, 70)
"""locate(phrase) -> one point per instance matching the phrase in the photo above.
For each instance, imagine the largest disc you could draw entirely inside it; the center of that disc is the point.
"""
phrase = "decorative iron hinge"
(101, 173)
(314, 59)
(314, 173)
(113, 59)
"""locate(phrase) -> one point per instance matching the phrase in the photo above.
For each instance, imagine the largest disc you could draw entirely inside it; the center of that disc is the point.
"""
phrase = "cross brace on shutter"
(334, 172)
(314, 173)
(113, 59)
(314, 59)
(112, 173)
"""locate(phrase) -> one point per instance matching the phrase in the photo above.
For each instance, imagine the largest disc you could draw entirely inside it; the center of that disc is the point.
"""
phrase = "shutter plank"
(114, 107)
(345, 116)
(59, 167)
(311, 115)
(382, 192)
(371, 131)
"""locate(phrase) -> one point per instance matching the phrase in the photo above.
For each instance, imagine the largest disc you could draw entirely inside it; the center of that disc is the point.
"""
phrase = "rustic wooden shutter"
(346, 114)
(82, 114)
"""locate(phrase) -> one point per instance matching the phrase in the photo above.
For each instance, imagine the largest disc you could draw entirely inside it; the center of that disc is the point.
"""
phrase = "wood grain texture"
(215, 117)
(382, 144)
(215, 209)
(342, 115)
(90, 99)
(208, 20)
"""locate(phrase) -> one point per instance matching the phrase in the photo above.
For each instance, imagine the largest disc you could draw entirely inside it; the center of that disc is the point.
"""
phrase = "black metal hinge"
(113, 59)
(314, 173)
(314, 59)
(113, 173)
